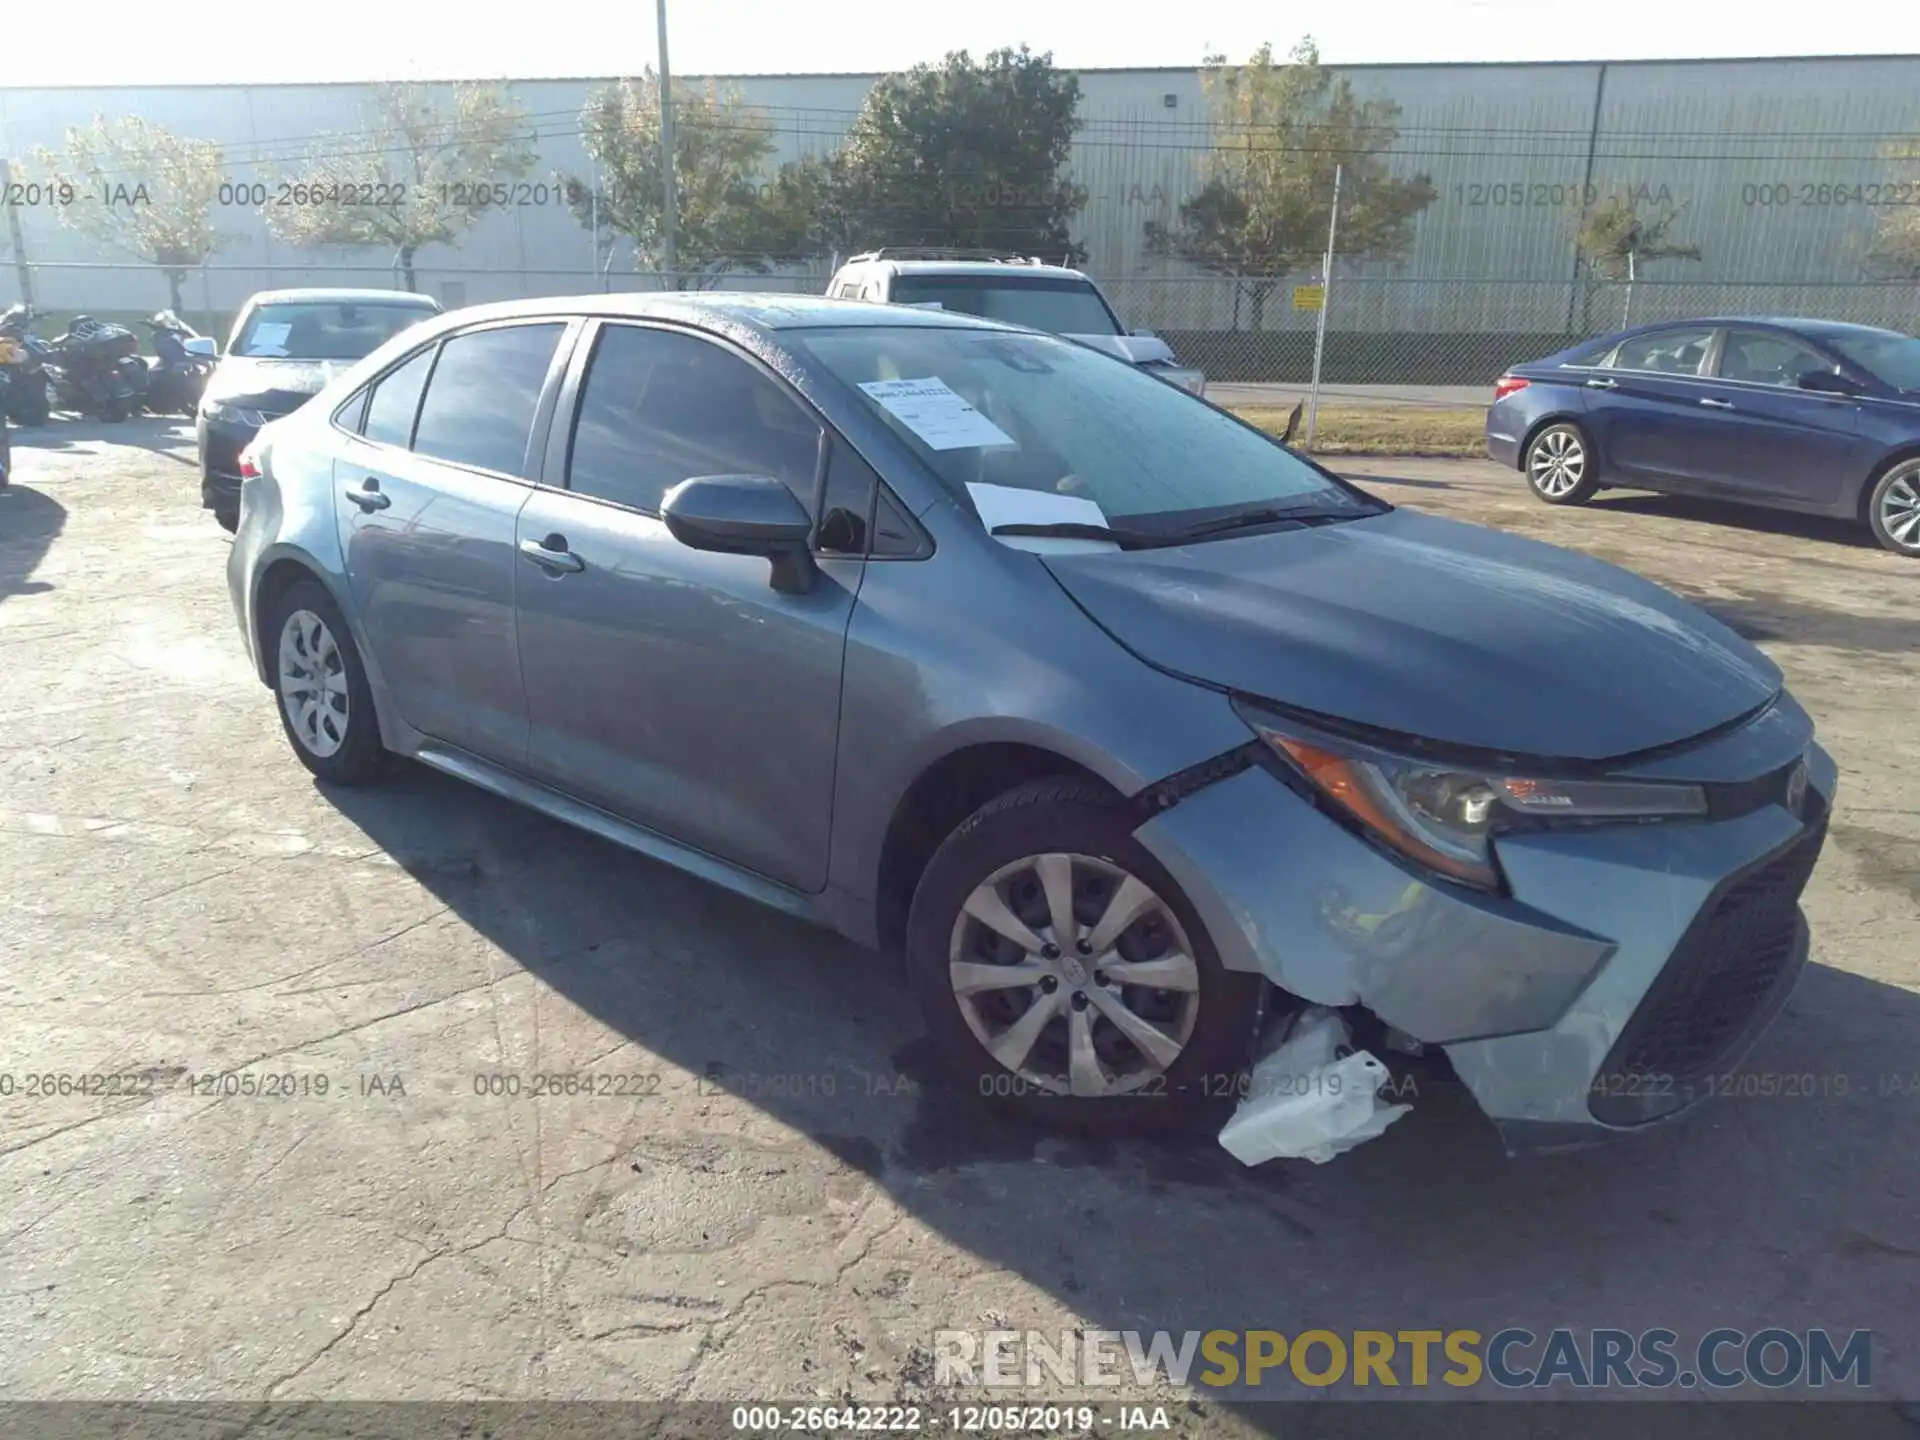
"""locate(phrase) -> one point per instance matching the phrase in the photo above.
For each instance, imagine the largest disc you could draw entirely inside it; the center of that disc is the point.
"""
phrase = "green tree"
(1617, 239)
(140, 189)
(1280, 131)
(970, 154)
(728, 218)
(1896, 245)
(419, 174)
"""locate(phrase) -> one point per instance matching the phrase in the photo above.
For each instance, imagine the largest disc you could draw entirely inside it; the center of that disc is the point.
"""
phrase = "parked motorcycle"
(96, 369)
(22, 368)
(177, 375)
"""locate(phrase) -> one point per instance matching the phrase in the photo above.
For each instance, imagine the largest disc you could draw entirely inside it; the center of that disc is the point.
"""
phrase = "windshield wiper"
(1074, 530)
(1302, 515)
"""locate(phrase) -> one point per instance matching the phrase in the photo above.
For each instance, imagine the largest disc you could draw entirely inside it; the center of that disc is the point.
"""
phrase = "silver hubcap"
(313, 683)
(1900, 508)
(1558, 463)
(1074, 975)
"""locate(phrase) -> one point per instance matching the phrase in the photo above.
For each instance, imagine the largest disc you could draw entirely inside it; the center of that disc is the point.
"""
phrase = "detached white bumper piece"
(1307, 1102)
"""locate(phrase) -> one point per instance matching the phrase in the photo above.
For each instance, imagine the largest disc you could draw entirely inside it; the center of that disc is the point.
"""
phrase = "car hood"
(1434, 628)
(1138, 349)
(274, 386)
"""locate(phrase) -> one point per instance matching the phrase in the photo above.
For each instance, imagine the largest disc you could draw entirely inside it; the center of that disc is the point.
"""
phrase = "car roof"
(364, 297)
(720, 309)
(1799, 324)
(1015, 269)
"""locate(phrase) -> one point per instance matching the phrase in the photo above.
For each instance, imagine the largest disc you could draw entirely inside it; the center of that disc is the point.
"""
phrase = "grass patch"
(1382, 429)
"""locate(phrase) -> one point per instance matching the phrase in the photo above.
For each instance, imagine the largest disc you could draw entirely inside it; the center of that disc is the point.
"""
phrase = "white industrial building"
(1781, 170)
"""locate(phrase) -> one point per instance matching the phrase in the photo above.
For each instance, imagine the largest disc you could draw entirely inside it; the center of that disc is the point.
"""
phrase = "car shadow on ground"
(30, 521)
(158, 433)
(1741, 517)
(1758, 1201)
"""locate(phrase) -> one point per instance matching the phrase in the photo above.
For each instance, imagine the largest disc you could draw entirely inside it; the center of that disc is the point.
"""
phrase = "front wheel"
(1560, 466)
(326, 705)
(1061, 970)
(1894, 509)
(29, 403)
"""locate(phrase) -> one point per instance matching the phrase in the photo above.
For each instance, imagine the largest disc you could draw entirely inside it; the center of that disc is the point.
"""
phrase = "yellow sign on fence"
(1309, 297)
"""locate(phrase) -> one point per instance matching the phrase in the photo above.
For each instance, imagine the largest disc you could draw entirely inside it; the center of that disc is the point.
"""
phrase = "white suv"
(1016, 290)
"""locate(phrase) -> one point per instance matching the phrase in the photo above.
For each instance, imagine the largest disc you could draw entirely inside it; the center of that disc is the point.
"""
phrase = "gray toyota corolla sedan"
(1122, 722)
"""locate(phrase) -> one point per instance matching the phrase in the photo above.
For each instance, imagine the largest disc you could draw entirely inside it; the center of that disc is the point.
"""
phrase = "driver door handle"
(1713, 404)
(368, 496)
(552, 554)
(1603, 384)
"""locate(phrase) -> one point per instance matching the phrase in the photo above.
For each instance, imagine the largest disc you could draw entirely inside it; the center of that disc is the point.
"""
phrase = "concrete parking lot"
(761, 1197)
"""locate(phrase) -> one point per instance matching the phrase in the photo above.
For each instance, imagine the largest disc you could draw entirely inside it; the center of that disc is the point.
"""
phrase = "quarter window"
(480, 403)
(396, 400)
(1665, 352)
(658, 408)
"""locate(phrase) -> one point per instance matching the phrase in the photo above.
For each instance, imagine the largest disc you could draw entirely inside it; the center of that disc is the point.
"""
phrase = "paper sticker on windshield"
(1010, 505)
(936, 414)
(269, 339)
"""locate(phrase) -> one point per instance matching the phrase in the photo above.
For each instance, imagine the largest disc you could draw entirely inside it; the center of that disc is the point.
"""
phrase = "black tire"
(1560, 465)
(114, 411)
(1891, 508)
(360, 756)
(1074, 818)
(227, 517)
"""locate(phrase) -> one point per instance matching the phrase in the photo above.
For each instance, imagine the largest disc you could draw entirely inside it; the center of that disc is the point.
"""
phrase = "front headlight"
(1444, 817)
(234, 414)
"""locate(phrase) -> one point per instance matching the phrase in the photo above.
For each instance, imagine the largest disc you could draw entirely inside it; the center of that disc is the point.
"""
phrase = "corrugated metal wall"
(1773, 164)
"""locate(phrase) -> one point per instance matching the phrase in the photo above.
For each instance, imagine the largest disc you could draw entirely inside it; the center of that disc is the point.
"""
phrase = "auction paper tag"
(269, 339)
(936, 414)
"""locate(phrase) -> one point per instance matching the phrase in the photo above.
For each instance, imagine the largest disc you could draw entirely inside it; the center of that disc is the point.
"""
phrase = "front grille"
(1735, 960)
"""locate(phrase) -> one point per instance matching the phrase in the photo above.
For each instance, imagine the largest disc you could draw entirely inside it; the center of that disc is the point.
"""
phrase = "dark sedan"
(1807, 415)
(286, 345)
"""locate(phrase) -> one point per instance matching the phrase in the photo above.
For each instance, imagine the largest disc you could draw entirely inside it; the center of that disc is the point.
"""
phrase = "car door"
(1644, 407)
(1775, 441)
(427, 495)
(672, 686)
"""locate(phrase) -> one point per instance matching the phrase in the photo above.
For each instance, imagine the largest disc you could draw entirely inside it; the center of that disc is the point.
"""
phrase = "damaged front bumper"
(1626, 965)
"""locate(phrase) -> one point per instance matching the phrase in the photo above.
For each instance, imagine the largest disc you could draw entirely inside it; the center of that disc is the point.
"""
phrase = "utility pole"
(21, 267)
(670, 214)
(1326, 299)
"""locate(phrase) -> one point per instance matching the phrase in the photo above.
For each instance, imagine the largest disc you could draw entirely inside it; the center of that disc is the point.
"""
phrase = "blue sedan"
(1807, 415)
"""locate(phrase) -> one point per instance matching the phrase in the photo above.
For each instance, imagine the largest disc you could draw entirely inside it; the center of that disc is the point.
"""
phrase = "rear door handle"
(368, 496)
(1713, 404)
(1603, 384)
(552, 554)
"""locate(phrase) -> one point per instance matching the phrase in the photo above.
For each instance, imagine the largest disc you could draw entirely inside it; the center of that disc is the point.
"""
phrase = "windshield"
(1040, 302)
(325, 330)
(1031, 413)
(1890, 358)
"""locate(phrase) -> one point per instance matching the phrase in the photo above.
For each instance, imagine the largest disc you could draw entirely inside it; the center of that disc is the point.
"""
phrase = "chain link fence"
(1381, 331)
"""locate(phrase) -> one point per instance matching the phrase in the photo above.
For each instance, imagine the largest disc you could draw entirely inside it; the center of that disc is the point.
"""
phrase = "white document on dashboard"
(941, 418)
(1010, 505)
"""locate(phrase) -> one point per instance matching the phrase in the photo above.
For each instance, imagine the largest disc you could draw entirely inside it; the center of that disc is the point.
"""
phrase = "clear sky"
(238, 41)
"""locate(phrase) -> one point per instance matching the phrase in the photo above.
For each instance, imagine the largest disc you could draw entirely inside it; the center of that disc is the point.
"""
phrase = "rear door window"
(479, 406)
(1665, 352)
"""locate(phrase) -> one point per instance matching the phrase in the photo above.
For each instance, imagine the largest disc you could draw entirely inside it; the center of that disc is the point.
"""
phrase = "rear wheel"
(28, 402)
(1894, 509)
(1060, 969)
(1560, 466)
(326, 705)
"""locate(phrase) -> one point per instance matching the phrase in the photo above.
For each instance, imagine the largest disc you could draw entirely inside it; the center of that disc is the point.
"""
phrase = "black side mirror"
(745, 515)
(1829, 382)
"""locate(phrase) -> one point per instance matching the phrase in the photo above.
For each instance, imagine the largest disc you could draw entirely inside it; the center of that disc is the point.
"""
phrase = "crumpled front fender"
(1285, 891)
